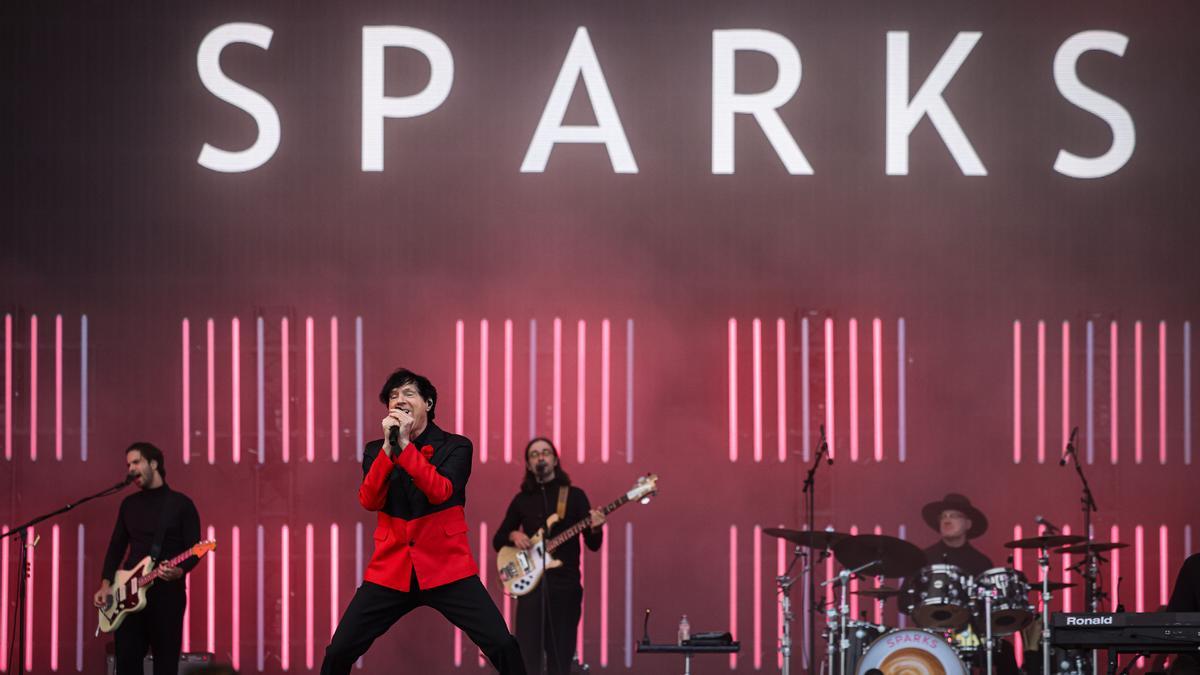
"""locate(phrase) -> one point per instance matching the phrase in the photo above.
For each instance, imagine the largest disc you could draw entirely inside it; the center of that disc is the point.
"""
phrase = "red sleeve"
(437, 488)
(373, 491)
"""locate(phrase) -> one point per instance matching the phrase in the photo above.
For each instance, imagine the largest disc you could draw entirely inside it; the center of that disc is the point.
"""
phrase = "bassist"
(546, 490)
(154, 517)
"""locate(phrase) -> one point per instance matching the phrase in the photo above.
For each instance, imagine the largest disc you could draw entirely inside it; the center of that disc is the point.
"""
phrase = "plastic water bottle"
(685, 629)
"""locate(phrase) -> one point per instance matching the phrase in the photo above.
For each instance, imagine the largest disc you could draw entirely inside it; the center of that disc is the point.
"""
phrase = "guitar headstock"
(202, 548)
(645, 488)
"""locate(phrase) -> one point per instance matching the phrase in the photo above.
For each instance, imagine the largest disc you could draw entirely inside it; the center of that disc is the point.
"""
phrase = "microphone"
(1070, 447)
(394, 436)
(1050, 527)
(129, 478)
(825, 447)
(646, 628)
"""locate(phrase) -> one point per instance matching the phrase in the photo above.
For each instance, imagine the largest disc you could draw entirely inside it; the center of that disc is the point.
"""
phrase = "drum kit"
(959, 618)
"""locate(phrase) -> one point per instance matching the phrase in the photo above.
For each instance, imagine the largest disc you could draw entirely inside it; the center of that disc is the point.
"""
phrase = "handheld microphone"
(1070, 448)
(394, 436)
(1050, 527)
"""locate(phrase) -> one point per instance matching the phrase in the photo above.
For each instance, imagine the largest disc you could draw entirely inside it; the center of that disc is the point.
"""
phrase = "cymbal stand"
(989, 642)
(785, 583)
(838, 618)
(1044, 563)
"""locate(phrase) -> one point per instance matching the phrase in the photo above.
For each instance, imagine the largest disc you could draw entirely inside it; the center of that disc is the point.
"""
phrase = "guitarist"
(154, 517)
(546, 490)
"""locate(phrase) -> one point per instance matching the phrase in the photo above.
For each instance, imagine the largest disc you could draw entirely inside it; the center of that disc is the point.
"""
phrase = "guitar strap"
(161, 532)
(563, 491)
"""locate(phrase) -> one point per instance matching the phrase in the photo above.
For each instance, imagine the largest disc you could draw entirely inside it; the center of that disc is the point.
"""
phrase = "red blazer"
(421, 524)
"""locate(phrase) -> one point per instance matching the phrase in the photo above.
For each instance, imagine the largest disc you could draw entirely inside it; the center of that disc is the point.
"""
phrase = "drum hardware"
(837, 618)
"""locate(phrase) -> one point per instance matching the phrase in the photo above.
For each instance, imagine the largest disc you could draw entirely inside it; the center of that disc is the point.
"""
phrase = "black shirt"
(528, 512)
(138, 521)
(966, 557)
(1186, 596)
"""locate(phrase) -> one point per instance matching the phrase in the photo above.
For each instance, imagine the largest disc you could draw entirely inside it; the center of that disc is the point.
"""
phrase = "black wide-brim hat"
(932, 514)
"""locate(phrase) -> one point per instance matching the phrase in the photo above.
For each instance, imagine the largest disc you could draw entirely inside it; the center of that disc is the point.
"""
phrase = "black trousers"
(157, 628)
(563, 605)
(465, 603)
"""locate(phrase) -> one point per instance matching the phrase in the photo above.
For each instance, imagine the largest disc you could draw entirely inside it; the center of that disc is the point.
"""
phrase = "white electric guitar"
(129, 587)
(521, 570)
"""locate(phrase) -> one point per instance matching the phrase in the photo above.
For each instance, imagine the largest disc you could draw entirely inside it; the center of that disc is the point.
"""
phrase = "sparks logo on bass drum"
(1089, 621)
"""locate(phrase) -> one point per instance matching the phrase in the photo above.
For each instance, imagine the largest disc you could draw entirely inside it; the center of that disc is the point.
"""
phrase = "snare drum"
(938, 597)
(1011, 609)
(911, 652)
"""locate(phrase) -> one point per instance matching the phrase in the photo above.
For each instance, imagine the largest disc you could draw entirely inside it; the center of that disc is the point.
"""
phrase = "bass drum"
(911, 652)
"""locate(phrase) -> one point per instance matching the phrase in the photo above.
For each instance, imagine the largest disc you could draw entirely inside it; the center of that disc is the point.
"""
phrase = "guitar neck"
(569, 533)
(173, 561)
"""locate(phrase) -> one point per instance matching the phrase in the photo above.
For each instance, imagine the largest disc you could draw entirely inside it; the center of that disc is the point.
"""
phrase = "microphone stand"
(810, 499)
(1091, 598)
(17, 660)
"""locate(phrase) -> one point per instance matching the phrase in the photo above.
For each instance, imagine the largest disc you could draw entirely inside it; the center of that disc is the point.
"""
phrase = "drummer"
(958, 522)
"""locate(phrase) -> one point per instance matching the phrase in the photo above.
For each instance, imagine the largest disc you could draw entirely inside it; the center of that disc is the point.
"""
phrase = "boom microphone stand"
(810, 499)
(1091, 599)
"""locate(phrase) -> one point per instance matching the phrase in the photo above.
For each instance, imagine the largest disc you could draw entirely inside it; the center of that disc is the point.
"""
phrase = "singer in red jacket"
(415, 479)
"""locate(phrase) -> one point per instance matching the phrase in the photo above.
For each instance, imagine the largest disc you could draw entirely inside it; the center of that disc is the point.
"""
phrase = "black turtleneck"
(137, 522)
(528, 512)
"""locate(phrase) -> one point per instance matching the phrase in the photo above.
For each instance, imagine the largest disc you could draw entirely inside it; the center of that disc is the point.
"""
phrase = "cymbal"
(881, 593)
(818, 539)
(897, 558)
(1096, 546)
(1045, 541)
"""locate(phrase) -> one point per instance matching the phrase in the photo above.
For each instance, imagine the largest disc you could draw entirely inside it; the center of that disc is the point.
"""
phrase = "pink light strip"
(604, 599)
(333, 578)
(758, 652)
(828, 576)
(781, 388)
(1066, 384)
(58, 404)
(334, 422)
(30, 602)
(310, 408)
(508, 391)
(582, 610)
(829, 386)
(877, 388)
(1016, 392)
(1137, 393)
(235, 598)
(1162, 393)
(210, 391)
(210, 617)
(1114, 561)
(285, 387)
(8, 396)
(235, 372)
(33, 386)
(780, 568)
(605, 391)
(733, 393)
(557, 428)
(1112, 388)
(508, 611)
(1041, 392)
(733, 594)
(757, 386)
(1139, 562)
(285, 588)
(854, 583)
(308, 596)
(853, 330)
(1164, 575)
(483, 390)
(459, 394)
(1066, 574)
(878, 605)
(56, 559)
(4, 601)
(186, 359)
(483, 568)
(187, 613)
(580, 391)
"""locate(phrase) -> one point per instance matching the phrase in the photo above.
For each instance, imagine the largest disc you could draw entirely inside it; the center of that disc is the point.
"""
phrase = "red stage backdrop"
(675, 237)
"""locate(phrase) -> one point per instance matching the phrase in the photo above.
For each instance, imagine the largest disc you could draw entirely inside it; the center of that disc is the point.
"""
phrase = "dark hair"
(530, 482)
(150, 453)
(404, 376)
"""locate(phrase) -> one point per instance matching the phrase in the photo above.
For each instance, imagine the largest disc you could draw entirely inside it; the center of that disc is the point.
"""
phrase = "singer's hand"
(519, 540)
(400, 420)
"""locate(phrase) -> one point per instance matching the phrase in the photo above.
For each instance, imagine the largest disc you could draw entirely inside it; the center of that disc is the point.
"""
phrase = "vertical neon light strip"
(185, 358)
(780, 569)
(285, 433)
(1137, 393)
(878, 605)
(1091, 392)
(235, 598)
(580, 392)
(334, 421)
(629, 391)
(58, 403)
(8, 397)
(29, 604)
(629, 595)
(733, 594)
(483, 390)
(210, 617)
(333, 578)
(781, 388)
(1164, 578)
(852, 329)
(1112, 388)
(805, 440)
(1066, 384)
(756, 393)
(1041, 392)
(483, 566)
(829, 386)
(877, 388)
(260, 401)
(79, 601)
(4, 634)
(1066, 574)
(1162, 392)
(310, 407)
(55, 560)
(604, 599)
(235, 371)
(1187, 541)
(1139, 562)
(582, 611)
(733, 394)
(854, 583)
(210, 391)
(1187, 392)
(259, 593)
(757, 597)
(358, 568)
(901, 391)
(33, 388)
(308, 596)
(1016, 392)
(508, 391)
(187, 613)
(1115, 569)
(285, 585)
(508, 611)
(605, 389)
(902, 533)
(828, 576)
(1017, 555)
(557, 391)
(358, 388)
(459, 394)
(533, 378)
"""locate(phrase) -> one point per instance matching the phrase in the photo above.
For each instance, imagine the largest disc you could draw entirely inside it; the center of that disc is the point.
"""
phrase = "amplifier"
(189, 662)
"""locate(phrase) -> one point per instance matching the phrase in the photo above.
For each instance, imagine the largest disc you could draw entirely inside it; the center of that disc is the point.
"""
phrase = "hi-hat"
(818, 539)
(897, 558)
(1045, 541)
